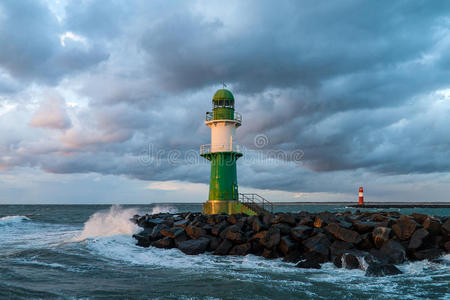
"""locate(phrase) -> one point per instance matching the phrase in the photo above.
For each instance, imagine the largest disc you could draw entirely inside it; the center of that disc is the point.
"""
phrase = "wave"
(116, 221)
(163, 209)
(9, 220)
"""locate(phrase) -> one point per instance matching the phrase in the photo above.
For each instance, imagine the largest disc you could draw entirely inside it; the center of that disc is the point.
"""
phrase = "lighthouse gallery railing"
(208, 148)
(210, 116)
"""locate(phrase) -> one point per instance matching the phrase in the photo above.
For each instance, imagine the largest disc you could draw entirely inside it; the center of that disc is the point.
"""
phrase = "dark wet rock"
(233, 233)
(257, 225)
(283, 227)
(351, 261)
(318, 244)
(427, 254)
(182, 223)
(309, 264)
(366, 241)
(195, 232)
(337, 261)
(392, 252)
(447, 246)
(233, 219)
(165, 243)
(193, 247)
(301, 232)
(172, 232)
(377, 218)
(446, 229)
(156, 232)
(433, 226)
(142, 222)
(417, 238)
(343, 234)
(270, 253)
(419, 218)
(214, 242)
(363, 226)
(142, 240)
(223, 248)
(267, 220)
(180, 238)
(380, 236)
(287, 245)
(269, 238)
(217, 229)
(404, 227)
(242, 249)
(379, 269)
(306, 221)
(294, 256)
(339, 247)
(284, 218)
(157, 221)
(345, 224)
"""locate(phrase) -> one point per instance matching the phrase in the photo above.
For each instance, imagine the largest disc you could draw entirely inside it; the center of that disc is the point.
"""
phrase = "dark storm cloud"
(351, 84)
(31, 47)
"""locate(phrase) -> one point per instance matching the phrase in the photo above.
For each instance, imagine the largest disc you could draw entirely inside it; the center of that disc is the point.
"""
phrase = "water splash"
(9, 220)
(163, 209)
(116, 221)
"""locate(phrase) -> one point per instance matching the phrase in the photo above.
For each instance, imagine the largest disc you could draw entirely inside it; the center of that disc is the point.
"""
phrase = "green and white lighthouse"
(223, 152)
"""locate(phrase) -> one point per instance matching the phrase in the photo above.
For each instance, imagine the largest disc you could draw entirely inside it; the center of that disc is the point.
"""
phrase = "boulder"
(377, 218)
(343, 234)
(380, 236)
(366, 241)
(339, 247)
(284, 228)
(242, 249)
(171, 232)
(287, 245)
(350, 261)
(156, 232)
(417, 238)
(307, 221)
(378, 269)
(446, 229)
(193, 247)
(223, 248)
(195, 232)
(233, 233)
(301, 232)
(180, 238)
(156, 221)
(447, 246)
(217, 229)
(270, 253)
(284, 218)
(391, 252)
(419, 218)
(269, 238)
(363, 227)
(142, 240)
(214, 242)
(257, 225)
(318, 244)
(404, 227)
(267, 219)
(309, 264)
(427, 254)
(293, 256)
(433, 226)
(182, 223)
(165, 243)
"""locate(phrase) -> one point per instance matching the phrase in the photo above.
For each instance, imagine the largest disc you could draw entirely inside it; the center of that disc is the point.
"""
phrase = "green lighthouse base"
(213, 207)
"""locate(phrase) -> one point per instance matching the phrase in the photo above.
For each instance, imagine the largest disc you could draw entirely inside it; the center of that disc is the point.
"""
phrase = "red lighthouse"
(361, 196)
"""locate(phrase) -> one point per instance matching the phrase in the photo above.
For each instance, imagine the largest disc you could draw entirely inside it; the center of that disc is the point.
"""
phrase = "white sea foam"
(116, 221)
(163, 209)
(9, 220)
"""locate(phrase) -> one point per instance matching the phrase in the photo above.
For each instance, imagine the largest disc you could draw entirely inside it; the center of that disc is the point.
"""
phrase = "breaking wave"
(9, 220)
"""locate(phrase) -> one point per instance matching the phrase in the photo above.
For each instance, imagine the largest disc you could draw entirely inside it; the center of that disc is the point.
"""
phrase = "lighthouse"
(223, 152)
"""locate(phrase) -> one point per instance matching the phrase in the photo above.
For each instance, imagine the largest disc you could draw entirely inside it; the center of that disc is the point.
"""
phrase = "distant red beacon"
(361, 196)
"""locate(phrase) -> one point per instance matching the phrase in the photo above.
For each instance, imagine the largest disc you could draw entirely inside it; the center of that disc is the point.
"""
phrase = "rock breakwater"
(372, 241)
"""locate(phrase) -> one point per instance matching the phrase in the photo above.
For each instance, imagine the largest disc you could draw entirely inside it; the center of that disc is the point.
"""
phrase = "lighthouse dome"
(223, 94)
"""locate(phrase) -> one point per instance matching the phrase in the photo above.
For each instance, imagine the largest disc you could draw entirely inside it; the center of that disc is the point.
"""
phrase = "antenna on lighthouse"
(224, 85)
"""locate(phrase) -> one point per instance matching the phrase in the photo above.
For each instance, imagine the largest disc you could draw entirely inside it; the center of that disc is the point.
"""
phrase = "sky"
(104, 101)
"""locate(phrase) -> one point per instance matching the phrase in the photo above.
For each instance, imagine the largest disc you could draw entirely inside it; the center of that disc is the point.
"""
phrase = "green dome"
(223, 94)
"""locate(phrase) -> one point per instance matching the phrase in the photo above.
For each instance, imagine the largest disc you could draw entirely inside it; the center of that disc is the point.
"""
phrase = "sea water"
(87, 252)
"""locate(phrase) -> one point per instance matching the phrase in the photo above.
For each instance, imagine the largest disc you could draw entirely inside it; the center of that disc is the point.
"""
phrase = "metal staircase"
(256, 203)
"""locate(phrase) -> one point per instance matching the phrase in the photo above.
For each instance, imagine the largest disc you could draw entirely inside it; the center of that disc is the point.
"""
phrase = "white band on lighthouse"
(360, 194)
(222, 135)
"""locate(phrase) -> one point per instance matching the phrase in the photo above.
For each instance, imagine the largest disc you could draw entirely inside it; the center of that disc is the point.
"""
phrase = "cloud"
(359, 88)
(51, 113)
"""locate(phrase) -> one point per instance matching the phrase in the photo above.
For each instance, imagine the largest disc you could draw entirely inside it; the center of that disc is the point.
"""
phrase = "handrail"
(210, 117)
(208, 148)
(256, 200)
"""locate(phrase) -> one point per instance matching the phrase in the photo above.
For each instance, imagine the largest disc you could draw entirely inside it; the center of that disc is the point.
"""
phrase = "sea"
(87, 252)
